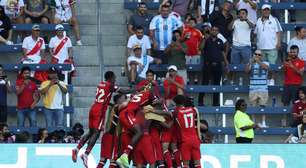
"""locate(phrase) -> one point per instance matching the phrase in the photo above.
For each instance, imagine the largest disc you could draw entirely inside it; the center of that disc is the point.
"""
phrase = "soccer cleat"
(84, 157)
(123, 161)
(74, 155)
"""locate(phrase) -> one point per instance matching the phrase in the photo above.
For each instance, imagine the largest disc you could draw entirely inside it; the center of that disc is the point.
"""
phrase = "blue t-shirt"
(258, 78)
(3, 93)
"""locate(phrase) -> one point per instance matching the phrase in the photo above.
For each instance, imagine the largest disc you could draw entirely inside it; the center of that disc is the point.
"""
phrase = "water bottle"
(240, 81)
(122, 71)
(273, 101)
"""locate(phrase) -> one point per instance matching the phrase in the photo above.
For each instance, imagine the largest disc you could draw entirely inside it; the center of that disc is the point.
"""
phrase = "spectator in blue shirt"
(140, 18)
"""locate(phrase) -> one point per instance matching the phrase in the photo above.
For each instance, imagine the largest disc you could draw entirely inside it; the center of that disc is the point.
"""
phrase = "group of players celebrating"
(140, 127)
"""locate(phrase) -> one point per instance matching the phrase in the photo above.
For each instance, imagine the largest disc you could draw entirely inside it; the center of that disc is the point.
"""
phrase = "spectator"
(138, 64)
(5, 86)
(5, 28)
(268, 31)
(42, 135)
(258, 95)
(172, 13)
(27, 98)
(300, 41)
(64, 11)
(299, 108)
(35, 11)
(215, 61)
(140, 18)
(301, 130)
(14, 10)
(176, 52)
(53, 91)
(161, 28)
(149, 79)
(173, 85)
(206, 8)
(244, 126)
(140, 39)
(193, 39)
(23, 137)
(8, 137)
(251, 7)
(33, 47)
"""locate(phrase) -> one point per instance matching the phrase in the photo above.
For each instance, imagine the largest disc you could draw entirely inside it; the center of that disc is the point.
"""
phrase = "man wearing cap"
(173, 85)
(53, 91)
(33, 47)
(138, 64)
(268, 34)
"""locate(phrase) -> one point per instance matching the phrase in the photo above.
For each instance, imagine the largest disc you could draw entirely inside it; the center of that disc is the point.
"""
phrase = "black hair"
(40, 132)
(303, 89)
(238, 104)
(1, 66)
(194, 19)
(117, 97)
(25, 68)
(139, 28)
(298, 28)
(294, 47)
(177, 31)
(52, 70)
(179, 100)
(170, 2)
(109, 75)
(141, 3)
(2, 126)
(165, 6)
(189, 101)
(150, 71)
(246, 11)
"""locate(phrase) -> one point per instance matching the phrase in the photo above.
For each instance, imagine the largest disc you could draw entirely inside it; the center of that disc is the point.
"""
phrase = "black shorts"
(289, 94)
(37, 19)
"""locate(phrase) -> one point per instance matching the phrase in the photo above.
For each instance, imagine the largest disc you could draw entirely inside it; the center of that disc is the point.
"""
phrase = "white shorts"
(64, 18)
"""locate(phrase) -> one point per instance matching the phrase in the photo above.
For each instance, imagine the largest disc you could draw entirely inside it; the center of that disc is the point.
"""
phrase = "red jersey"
(291, 77)
(194, 40)
(298, 107)
(171, 89)
(186, 119)
(146, 82)
(104, 93)
(25, 98)
(139, 100)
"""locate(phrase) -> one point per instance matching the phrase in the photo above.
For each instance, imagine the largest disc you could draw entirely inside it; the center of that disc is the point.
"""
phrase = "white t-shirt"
(241, 33)
(63, 53)
(252, 15)
(144, 60)
(144, 43)
(12, 7)
(28, 44)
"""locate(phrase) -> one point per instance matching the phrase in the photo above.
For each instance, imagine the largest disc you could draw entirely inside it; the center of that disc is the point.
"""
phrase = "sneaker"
(123, 161)
(74, 155)
(79, 43)
(84, 157)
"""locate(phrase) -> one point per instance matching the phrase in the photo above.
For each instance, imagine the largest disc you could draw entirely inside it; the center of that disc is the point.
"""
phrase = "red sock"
(197, 166)
(80, 144)
(88, 150)
(177, 158)
(167, 157)
(101, 164)
(128, 150)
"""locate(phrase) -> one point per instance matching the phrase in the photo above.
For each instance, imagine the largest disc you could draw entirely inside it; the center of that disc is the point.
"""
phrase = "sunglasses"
(243, 105)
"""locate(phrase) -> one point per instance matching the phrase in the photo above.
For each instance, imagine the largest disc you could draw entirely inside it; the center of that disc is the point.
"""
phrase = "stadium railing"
(263, 131)
(13, 109)
(250, 110)
(43, 27)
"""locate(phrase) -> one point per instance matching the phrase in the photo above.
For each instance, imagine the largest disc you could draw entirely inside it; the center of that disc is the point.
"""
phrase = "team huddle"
(141, 128)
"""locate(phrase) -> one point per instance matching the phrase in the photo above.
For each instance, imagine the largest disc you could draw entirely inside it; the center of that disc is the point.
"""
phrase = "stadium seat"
(251, 110)
(43, 27)
(13, 109)
(34, 130)
(264, 131)
(37, 67)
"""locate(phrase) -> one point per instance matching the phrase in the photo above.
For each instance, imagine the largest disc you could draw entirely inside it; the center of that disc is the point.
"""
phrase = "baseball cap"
(35, 27)
(59, 27)
(136, 46)
(265, 6)
(172, 67)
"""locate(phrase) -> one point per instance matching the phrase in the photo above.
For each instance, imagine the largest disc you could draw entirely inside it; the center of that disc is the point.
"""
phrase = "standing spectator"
(193, 39)
(35, 11)
(173, 85)
(42, 135)
(5, 86)
(244, 126)
(140, 18)
(27, 98)
(53, 91)
(251, 7)
(268, 31)
(206, 8)
(5, 28)
(139, 64)
(64, 11)
(176, 52)
(14, 9)
(33, 47)
(299, 108)
(300, 41)
(161, 28)
(258, 95)
(139, 39)
(215, 61)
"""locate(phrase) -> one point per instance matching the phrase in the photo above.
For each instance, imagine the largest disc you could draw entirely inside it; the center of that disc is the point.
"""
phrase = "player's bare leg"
(82, 142)
(91, 143)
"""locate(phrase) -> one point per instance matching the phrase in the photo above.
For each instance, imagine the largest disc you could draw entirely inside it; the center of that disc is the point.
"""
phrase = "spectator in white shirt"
(14, 10)
(140, 39)
(300, 41)
(251, 7)
(33, 47)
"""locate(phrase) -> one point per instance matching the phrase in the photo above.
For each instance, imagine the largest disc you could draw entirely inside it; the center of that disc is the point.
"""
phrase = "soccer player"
(96, 116)
(187, 119)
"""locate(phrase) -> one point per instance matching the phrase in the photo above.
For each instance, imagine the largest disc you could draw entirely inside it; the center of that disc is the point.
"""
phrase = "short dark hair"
(177, 31)
(117, 97)
(294, 47)
(139, 28)
(246, 11)
(298, 28)
(170, 2)
(2, 126)
(1, 66)
(179, 100)
(141, 3)
(108, 75)
(150, 71)
(52, 70)
(238, 104)
(194, 19)
(165, 6)
(25, 68)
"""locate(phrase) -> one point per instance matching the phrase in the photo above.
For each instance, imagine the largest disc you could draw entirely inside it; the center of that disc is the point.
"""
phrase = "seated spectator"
(176, 52)
(299, 108)
(27, 98)
(301, 130)
(14, 9)
(42, 135)
(140, 18)
(251, 7)
(173, 85)
(149, 78)
(258, 94)
(5, 87)
(300, 41)
(138, 65)
(7, 136)
(64, 11)
(35, 11)
(161, 28)
(5, 28)
(53, 91)
(139, 39)
(206, 8)
(33, 47)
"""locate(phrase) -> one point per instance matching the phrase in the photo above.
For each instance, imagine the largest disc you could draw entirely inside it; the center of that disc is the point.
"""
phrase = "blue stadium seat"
(13, 109)
(36, 67)
(264, 131)
(251, 110)
(43, 27)
(34, 130)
